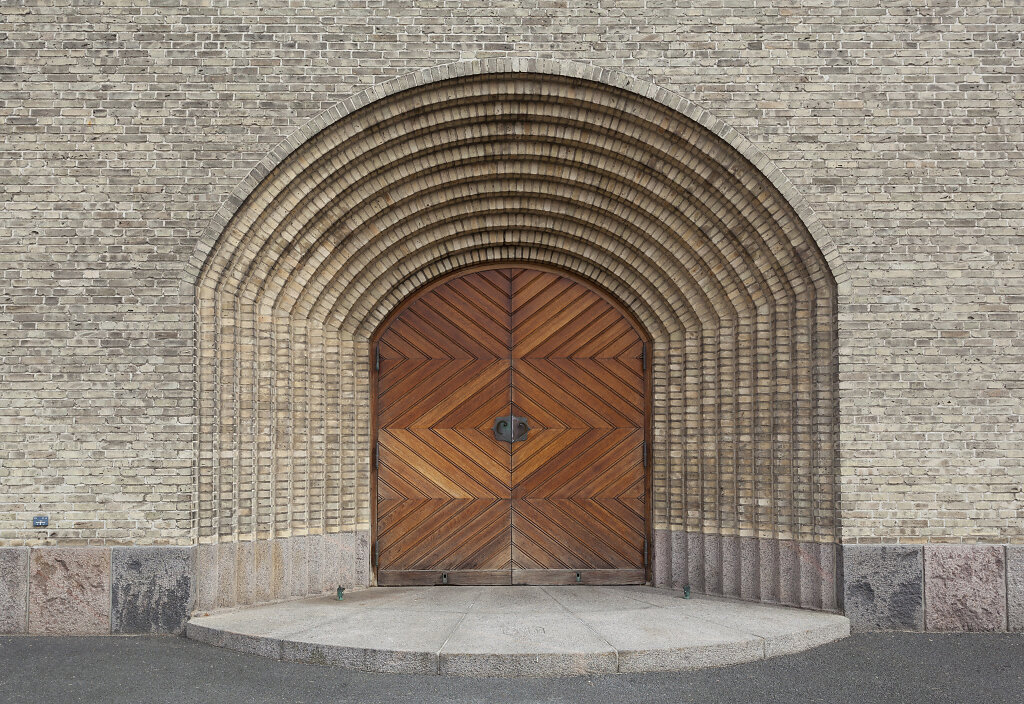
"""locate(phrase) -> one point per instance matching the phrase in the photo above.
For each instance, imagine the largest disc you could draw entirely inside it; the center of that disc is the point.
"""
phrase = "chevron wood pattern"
(443, 482)
(568, 503)
(578, 488)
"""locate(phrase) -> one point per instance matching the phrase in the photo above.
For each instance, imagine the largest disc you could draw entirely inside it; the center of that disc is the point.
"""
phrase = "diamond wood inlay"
(454, 502)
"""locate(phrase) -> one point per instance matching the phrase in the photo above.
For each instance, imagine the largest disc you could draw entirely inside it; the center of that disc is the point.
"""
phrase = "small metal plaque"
(40, 521)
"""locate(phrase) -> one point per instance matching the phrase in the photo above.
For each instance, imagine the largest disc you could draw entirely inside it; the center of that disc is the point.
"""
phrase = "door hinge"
(376, 552)
(645, 551)
(643, 357)
(645, 453)
(376, 359)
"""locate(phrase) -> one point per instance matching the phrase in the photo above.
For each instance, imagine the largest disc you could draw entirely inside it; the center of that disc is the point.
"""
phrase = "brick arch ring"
(615, 180)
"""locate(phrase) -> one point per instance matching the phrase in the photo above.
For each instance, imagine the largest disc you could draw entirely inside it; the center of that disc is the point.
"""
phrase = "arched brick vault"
(521, 166)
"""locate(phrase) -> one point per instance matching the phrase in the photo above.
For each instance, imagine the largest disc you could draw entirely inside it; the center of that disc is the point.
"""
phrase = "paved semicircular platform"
(518, 631)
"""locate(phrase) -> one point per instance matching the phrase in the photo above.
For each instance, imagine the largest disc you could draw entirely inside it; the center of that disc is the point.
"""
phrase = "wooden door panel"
(427, 394)
(576, 453)
(580, 398)
(556, 577)
(440, 470)
(432, 578)
(578, 490)
(478, 542)
(443, 481)
(566, 504)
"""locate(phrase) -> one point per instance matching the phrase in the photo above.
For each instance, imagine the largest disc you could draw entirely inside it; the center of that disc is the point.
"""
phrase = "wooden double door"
(511, 418)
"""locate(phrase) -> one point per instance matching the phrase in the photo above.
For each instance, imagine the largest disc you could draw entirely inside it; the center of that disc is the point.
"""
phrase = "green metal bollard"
(686, 592)
(341, 592)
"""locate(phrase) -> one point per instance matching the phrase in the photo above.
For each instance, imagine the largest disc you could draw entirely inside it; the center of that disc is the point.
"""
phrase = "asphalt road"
(926, 668)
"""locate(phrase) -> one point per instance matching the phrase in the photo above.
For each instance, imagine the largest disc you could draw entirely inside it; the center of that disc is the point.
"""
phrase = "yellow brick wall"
(132, 132)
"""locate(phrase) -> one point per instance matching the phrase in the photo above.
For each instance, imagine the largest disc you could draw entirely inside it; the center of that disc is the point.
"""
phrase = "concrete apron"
(518, 631)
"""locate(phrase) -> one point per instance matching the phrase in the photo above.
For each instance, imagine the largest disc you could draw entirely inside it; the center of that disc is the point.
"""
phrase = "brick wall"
(126, 127)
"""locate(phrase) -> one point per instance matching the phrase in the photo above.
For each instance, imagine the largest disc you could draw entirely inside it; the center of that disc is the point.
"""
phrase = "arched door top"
(510, 431)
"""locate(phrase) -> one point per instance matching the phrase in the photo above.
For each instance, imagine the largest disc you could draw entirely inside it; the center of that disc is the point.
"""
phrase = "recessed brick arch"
(616, 186)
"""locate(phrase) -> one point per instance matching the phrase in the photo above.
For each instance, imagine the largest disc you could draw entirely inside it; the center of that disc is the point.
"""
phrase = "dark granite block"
(13, 590)
(153, 589)
(884, 587)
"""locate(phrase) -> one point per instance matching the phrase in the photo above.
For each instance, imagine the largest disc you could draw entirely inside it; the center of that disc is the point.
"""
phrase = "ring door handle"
(503, 429)
(522, 427)
(510, 429)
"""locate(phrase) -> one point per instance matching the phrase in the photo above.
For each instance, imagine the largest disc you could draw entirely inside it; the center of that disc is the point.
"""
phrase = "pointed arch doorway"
(510, 423)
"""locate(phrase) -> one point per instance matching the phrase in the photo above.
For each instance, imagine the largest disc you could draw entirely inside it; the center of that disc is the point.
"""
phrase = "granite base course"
(772, 571)
(884, 587)
(152, 589)
(965, 587)
(136, 589)
(69, 591)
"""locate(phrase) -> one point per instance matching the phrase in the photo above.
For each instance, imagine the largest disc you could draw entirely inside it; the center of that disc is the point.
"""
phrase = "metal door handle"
(510, 428)
(503, 429)
(522, 428)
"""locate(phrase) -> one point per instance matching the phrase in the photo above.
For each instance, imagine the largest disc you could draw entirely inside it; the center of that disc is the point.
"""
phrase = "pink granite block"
(695, 551)
(227, 586)
(750, 569)
(1015, 586)
(817, 575)
(245, 573)
(362, 558)
(69, 591)
(732, 564)
(207, 578)
(263, 571)
(679, 548)
(768, 566)
(661, 559)
(315, 565)
(712, 563)
(789, 573)
(965, 587)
